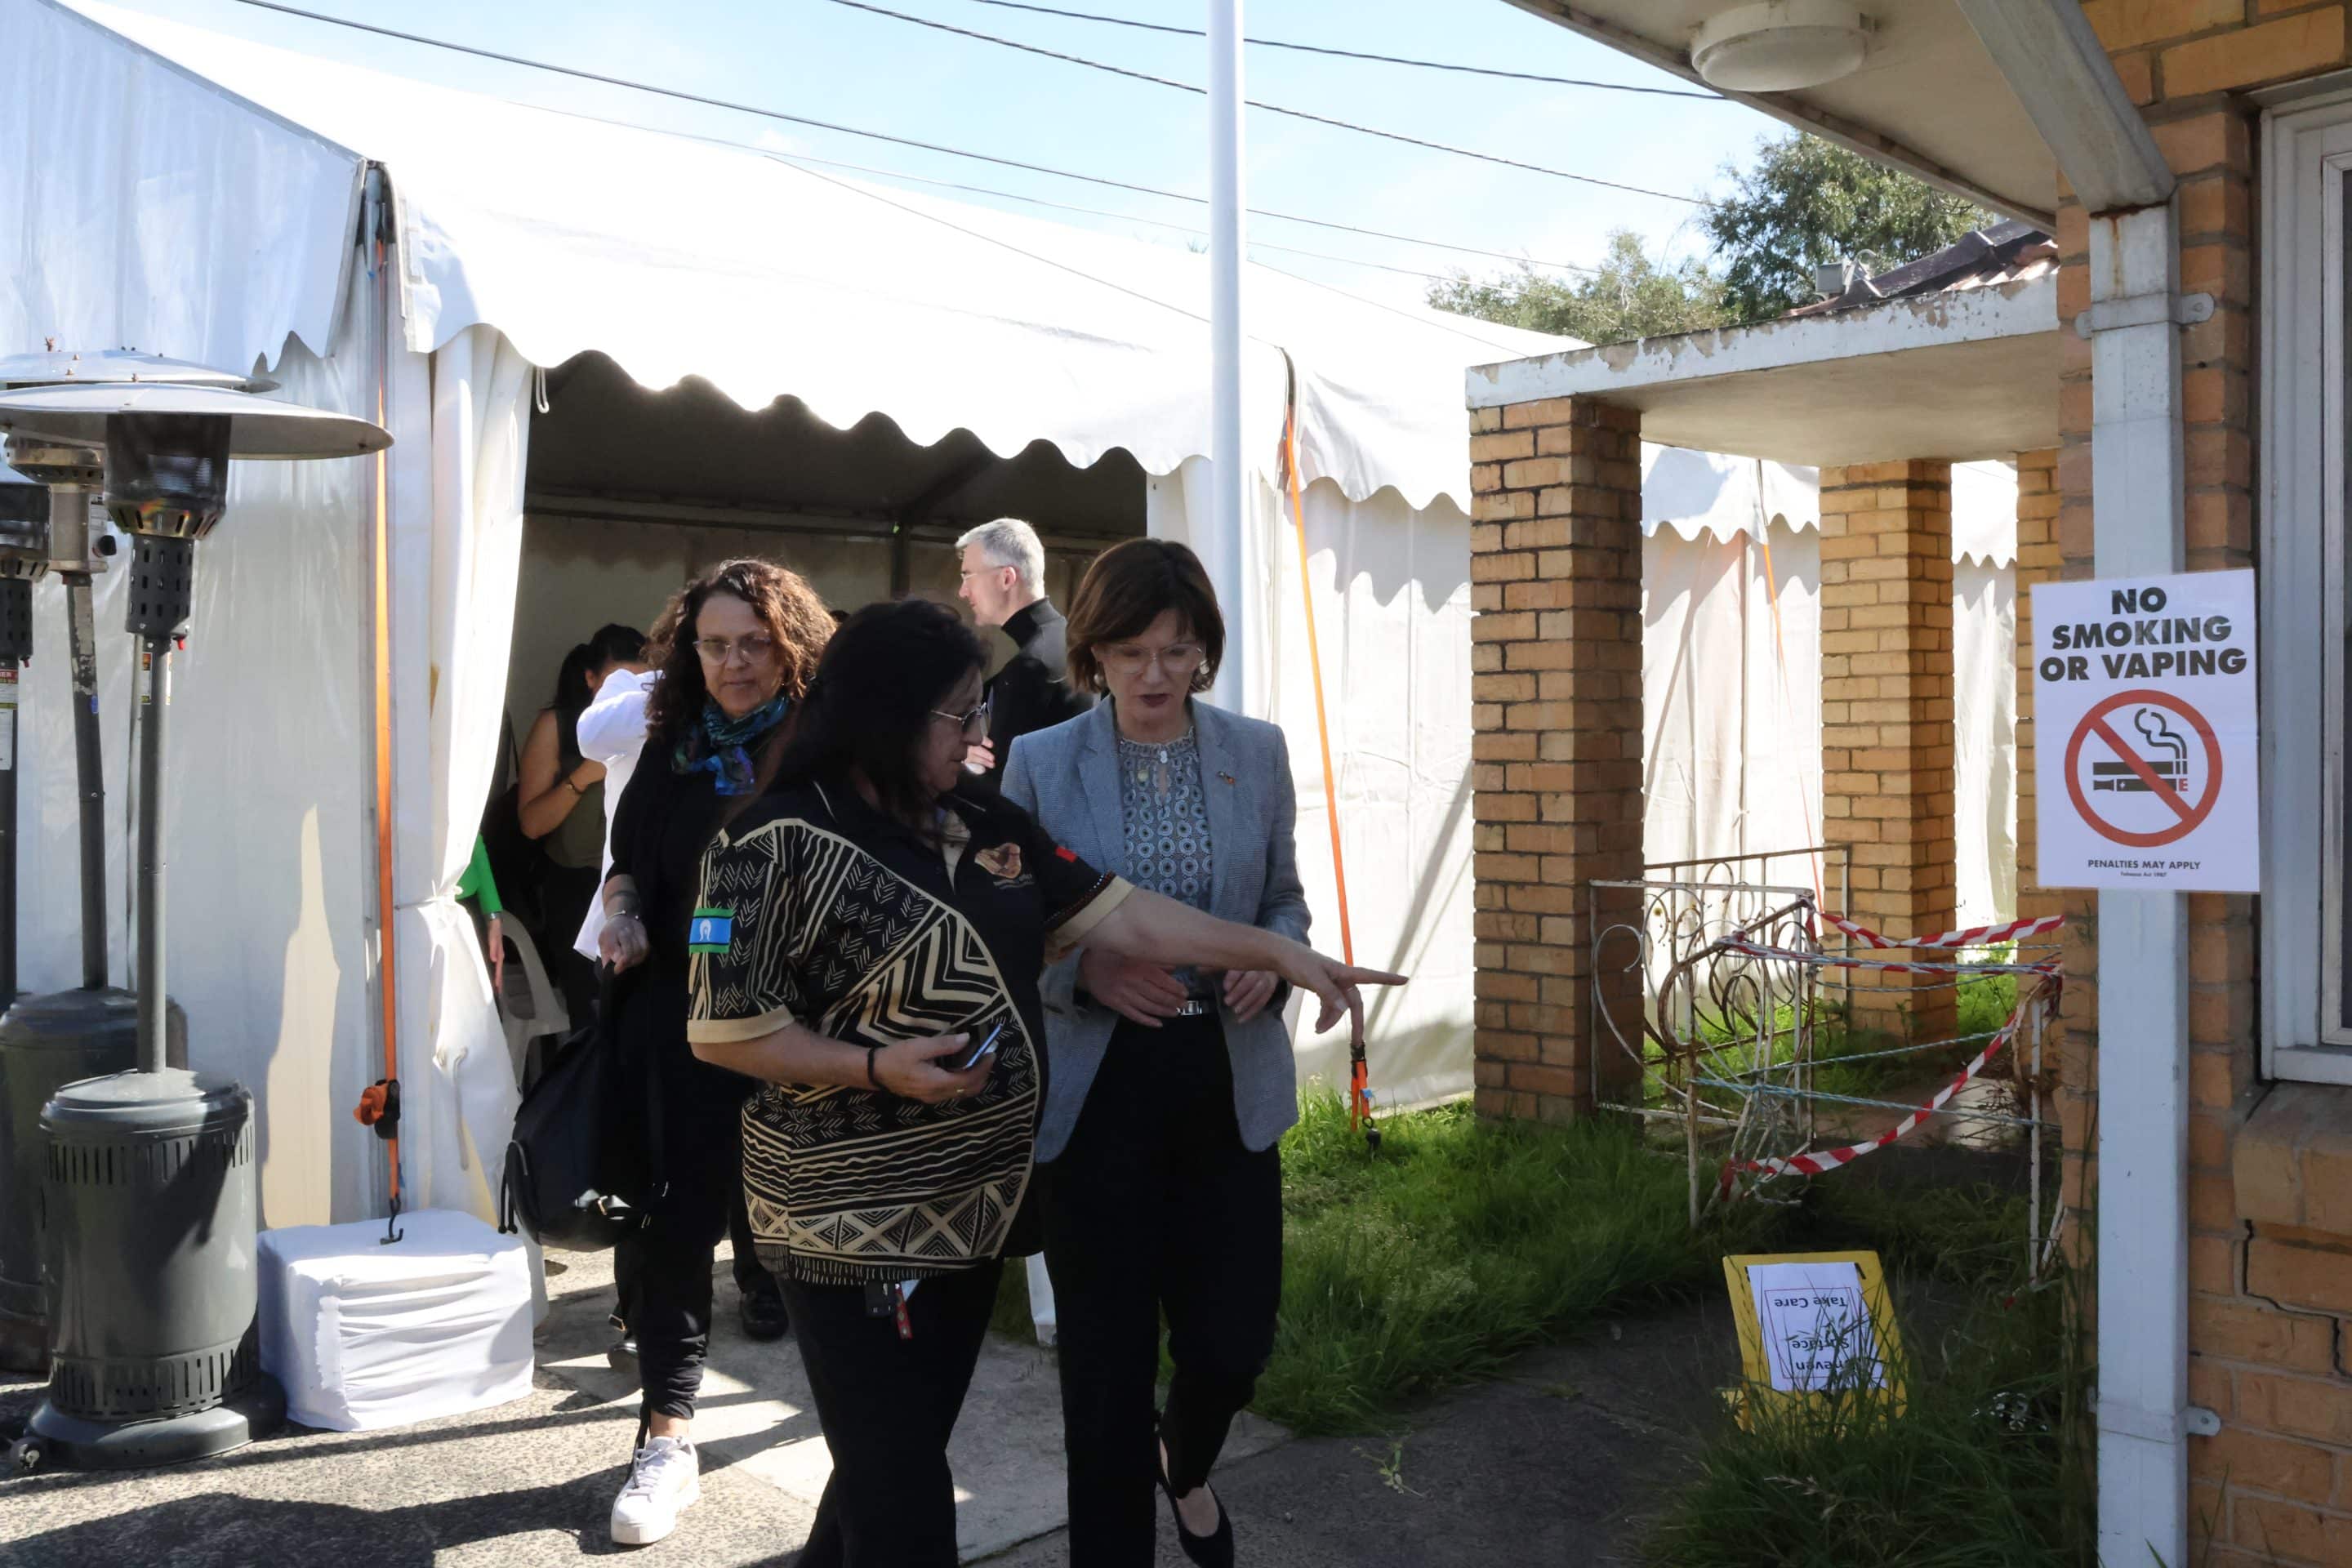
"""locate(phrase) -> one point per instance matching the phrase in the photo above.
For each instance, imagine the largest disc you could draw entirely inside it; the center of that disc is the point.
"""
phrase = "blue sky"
(824, 60)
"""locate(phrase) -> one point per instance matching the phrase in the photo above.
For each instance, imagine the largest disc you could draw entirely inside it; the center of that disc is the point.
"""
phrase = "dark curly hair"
(787, 607)
(887, 670)
(612, 644)
(1126, 589)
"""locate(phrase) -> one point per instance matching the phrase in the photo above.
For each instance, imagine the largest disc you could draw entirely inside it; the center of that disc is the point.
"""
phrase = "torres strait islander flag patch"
(710, 930)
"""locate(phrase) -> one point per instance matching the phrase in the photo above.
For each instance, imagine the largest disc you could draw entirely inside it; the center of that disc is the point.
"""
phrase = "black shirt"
(1032, 691)
(817, 908)
(664, 822)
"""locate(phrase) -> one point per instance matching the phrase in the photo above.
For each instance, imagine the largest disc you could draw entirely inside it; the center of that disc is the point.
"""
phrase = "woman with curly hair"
(735, 648)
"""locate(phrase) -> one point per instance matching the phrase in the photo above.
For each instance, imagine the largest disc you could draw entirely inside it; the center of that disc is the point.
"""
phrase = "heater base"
(57, 1441)
(46, 1043)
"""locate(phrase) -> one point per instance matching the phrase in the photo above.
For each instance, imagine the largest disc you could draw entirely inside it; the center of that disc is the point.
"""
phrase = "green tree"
(1805, 202)
(1629, 295)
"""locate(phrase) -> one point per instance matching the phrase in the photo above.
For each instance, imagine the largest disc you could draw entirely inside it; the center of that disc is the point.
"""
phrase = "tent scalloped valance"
(1724, 496)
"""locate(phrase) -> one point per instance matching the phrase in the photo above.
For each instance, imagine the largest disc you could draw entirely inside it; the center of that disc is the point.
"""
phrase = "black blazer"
(1032, 691)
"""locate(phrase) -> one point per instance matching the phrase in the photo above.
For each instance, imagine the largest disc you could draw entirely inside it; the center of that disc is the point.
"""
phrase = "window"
(2306, 526)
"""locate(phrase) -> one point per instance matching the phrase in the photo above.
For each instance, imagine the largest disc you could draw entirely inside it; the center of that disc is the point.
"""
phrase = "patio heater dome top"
(259, 428)
(74, 367)
(1780, 46)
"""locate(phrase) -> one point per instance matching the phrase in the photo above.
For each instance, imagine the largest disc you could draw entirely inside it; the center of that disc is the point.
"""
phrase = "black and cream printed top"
(817, 910)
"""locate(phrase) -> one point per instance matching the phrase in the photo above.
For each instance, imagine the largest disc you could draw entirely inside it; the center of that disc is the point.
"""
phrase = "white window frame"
(2306, 167)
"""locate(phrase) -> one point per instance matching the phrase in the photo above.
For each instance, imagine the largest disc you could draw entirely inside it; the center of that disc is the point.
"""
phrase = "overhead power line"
(1360, 54)
(797, 159)
(1260, 104)
(1187, 228)
(759, 112)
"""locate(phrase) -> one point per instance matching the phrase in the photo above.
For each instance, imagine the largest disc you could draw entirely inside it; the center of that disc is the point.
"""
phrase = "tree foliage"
(1805, 202)
(1630, 295)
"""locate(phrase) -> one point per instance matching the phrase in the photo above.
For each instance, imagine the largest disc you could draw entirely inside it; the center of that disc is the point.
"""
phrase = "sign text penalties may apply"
(2146, 741)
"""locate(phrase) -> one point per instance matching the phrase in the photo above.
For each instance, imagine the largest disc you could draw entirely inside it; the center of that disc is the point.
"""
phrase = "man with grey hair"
(1005, 583)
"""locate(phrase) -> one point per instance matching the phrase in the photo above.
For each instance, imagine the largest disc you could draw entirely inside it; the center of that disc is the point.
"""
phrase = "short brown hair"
(788, 608)
(1126, 589)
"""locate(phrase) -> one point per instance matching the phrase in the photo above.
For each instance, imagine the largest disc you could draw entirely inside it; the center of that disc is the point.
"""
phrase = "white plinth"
(364, 1335)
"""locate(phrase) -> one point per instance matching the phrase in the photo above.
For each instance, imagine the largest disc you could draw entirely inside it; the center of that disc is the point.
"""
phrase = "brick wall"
(1887, 718)
(2270, 1261)
(1556, 649)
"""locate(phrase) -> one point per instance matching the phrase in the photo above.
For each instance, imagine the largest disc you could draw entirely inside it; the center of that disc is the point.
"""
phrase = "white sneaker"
(666, 1479)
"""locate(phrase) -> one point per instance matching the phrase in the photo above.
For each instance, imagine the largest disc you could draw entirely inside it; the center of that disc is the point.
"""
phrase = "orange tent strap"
(1358, 1073)
(1315, 663)
(386, 937)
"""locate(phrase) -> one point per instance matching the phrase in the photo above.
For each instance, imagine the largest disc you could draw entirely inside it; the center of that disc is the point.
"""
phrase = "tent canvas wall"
(1731, 668)
(200, 197)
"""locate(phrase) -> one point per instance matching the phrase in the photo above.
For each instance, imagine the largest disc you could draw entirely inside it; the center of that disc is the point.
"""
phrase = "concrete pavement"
(1549, 1464)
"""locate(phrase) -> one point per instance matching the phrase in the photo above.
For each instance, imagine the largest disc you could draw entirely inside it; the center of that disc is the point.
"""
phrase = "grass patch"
(1983, 1467)
(1460, 1245)
(1986, 1466)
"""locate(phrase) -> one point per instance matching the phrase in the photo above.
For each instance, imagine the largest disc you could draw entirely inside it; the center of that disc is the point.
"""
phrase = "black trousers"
(1156, 1207)
(663, 1272)
(888, 1406)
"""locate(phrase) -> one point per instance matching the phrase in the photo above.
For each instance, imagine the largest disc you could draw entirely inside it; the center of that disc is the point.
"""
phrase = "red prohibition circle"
(2192, 817)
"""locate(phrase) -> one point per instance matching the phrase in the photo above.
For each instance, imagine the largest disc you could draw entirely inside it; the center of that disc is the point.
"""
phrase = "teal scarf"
(720, 746)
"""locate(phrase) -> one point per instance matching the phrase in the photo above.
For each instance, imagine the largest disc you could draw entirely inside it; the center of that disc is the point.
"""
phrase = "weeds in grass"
(1460, 1245)
(1985, 1466)
(1982, 1468)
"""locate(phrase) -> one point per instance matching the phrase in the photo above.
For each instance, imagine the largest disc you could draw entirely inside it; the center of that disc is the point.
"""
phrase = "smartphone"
(980, 1052)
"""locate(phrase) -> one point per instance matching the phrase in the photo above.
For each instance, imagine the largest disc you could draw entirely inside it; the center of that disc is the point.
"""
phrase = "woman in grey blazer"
(1168, 1091)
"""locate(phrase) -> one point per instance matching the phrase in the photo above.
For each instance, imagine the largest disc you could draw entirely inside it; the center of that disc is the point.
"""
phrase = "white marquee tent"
(202, 197)
(1731, 668)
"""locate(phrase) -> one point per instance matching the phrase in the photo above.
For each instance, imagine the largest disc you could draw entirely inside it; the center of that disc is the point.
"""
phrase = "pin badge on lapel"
(1227, 777)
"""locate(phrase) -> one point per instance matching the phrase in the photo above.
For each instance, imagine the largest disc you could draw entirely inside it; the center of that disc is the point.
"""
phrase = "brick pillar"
(1887, 719)
(2038, 561)
(1556, 574)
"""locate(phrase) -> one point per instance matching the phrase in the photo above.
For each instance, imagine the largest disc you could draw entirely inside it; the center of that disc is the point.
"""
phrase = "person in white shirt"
(611, 731)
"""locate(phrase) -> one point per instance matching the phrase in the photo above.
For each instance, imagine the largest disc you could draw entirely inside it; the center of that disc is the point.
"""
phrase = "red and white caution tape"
(1974, 936)
(1880, 965)
(1831, 1159)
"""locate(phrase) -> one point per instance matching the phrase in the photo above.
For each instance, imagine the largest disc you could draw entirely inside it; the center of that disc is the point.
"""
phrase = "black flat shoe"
(763, 1316)
(1215, 1550)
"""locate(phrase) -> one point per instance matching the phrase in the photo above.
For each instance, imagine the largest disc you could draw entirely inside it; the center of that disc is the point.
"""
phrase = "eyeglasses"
(719, 651)
(1178, 659)
(973, 722)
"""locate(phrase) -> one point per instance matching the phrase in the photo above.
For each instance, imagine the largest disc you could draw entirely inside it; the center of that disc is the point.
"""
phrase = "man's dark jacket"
(1033, 690)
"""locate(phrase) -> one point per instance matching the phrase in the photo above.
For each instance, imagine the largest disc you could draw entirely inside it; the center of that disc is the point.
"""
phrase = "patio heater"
(46, 1042)
(152, 1193)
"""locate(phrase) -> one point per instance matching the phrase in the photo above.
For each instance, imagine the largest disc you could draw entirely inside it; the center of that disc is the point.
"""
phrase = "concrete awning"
(1957, 375)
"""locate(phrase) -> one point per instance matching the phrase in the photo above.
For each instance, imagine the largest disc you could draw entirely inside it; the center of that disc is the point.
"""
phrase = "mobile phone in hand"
(982, 1052)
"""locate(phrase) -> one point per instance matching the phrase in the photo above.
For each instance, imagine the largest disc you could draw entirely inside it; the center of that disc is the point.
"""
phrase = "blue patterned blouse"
(1165, 810)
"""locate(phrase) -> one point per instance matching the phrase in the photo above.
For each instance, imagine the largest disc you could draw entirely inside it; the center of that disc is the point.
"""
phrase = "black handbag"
(584, 1164)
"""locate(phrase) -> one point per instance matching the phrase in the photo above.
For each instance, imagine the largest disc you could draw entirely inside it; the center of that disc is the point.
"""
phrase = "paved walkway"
(1550, 1465)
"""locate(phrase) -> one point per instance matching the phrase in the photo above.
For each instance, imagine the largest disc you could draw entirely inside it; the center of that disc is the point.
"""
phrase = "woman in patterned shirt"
(861, 930)
(1159, 1160)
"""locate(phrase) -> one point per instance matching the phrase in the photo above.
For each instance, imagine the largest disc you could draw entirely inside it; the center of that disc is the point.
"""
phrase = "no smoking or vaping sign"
(2145, 709)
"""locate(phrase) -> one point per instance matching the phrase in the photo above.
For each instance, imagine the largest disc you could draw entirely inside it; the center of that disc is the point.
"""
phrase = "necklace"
(1151, 762)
